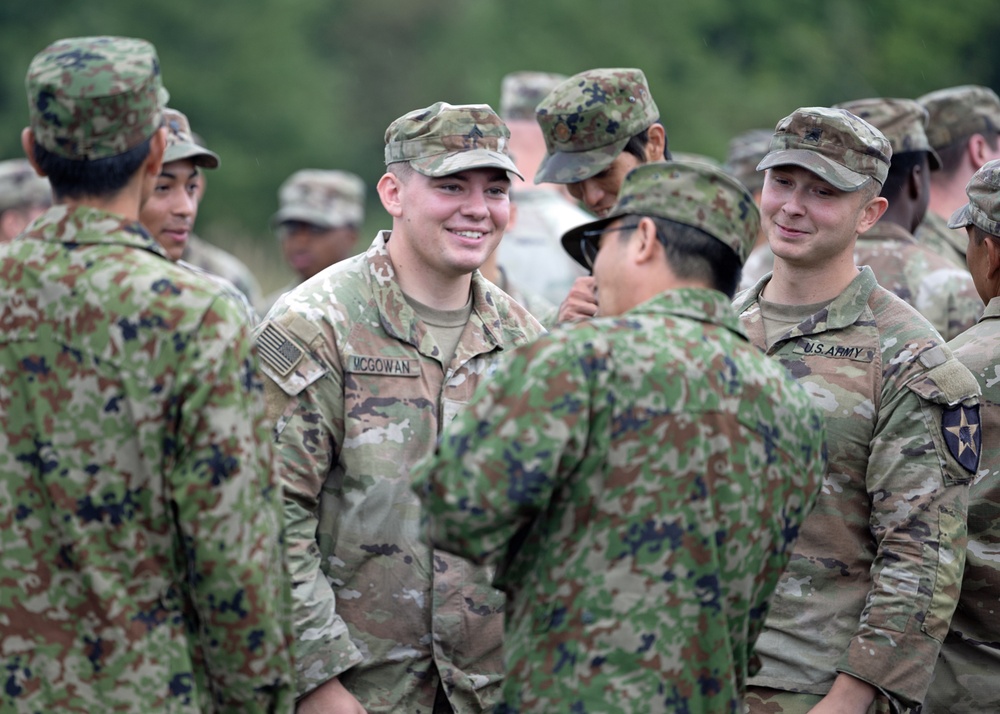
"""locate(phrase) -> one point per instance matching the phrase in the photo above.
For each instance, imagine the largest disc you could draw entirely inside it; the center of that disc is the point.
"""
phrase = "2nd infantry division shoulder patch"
(963, 436)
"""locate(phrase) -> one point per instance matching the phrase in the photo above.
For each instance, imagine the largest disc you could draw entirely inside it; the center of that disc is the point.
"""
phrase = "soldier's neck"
(799, 284)
(125, 202)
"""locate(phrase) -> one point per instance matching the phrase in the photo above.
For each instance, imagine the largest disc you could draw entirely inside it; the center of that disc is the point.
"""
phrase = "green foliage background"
(278, 85)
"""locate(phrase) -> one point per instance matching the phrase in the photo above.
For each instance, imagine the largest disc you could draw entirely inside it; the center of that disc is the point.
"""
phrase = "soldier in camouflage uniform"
(963, 129)
(598, 126)
(317, 222)
(745, 152)
(927, 281)
(365, 363)
(139, 518)
(24, 196)
(966, 677)
(639, 478)
(859, 615)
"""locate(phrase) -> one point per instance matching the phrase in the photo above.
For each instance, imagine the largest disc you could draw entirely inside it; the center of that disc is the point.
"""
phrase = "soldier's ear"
(657, 144)
(390, 188)
(28, 145)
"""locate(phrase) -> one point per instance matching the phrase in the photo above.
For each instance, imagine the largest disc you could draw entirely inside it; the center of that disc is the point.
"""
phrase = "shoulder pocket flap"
(948, 383)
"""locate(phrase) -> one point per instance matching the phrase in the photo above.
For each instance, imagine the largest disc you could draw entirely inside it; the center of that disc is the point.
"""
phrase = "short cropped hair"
(72, 178)
(637, 145)
(693, 254)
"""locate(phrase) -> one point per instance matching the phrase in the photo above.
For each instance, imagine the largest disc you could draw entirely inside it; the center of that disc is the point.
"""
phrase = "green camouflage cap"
(94, 97)
(588, 119)
(693, 193)
(983, 208)
(959, 112)
(840, 148)
(181, 143)
(746, 150)
(21, 187)
(521, 92)
(444, 139)
(901, 121)
(329, 199)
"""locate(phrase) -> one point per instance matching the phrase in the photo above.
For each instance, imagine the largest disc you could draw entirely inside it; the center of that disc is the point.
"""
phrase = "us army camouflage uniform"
(617, 579)
(540, 308)
(943, 294)
(934, 234)
(140, 520)
(875, 575)
(213, 259)
(358, 394)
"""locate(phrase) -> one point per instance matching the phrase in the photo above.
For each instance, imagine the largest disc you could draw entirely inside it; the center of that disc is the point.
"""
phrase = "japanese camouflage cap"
(983, 208)
(692, 193)
(959, 112)
(94, 97)
(589, 118)
(444, 139)
(839, 147)
(328, 199)
(21, 187)
(181, 143)
(521, 92)
(901, 121)
(746, 151)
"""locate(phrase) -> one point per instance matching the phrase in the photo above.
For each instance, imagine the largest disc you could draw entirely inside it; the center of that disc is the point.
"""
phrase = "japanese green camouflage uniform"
(925, 280)
(140, 521)
(934, 234)
(358, 394)
(652, 471)
(875, 575)
(213, 259)
(967, 677)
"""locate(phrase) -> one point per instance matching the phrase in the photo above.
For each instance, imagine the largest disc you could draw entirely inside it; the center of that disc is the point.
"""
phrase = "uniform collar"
(91, 226)
(700, 304)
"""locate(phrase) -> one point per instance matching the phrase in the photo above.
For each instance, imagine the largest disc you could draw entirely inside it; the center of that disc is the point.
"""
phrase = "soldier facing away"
(139, 518)
(24, 196)
(860, 612)
(638, 478)
(365, 363)
(965, 679)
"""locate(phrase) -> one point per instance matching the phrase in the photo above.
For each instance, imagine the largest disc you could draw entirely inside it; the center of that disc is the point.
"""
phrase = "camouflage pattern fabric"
(902, 121)
(983, 208)
(247, 311)
(21, 187)
(589, 118)
(746, 151)
(934, 234)
(875, 575)
(957, 113)
(521, 93)
(759, 263)
(530, 252)
(762, 700)
(268, 301)
(181, 143)
(965, 680)
(640, 481)
(140, 519)
(944, 295)
(540, 308)
(213, 259)
(358, 394)
(94, 97)
(329, 199)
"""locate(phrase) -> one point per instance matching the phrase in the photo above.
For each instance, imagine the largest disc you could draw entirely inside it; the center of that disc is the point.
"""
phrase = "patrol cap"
(588, 119)
(840, 148)
(521, 92)
(746, 151)
(181, 143)
(21, 187)
(959, 112)
(329, 199)
(94, 97)
(901, 121)
(444, 139)
(983, 208)
(693, 193)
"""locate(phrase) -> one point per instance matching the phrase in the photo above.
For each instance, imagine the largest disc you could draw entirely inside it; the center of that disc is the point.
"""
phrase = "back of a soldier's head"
(957, 115)
(23, 196)
(94, 105)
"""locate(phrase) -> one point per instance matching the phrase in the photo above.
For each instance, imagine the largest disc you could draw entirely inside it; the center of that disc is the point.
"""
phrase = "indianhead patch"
(963, 436)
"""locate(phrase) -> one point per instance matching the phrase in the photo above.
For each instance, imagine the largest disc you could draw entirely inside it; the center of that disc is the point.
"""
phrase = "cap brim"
(572, 240)
(830, 171)
(302, 215)
(455, 162)
(573, 166)
(962, 218)
(201, 156)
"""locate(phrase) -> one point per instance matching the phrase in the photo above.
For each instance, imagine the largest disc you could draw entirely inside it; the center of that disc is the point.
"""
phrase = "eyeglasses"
(590, 242)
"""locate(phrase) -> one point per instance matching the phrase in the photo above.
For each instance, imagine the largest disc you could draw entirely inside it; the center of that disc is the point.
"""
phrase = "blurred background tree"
(274, 86)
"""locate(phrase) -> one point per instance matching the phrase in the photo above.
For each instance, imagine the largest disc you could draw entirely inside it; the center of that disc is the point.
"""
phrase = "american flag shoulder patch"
(277, 350)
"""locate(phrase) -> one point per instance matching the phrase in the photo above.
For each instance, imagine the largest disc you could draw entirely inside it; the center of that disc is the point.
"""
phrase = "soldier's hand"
(847, 695)
(331, 697)
(581, 303)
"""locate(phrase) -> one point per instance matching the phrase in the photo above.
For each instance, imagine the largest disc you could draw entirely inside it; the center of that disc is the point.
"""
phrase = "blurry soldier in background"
(963, 129)
(746, 151)
(640, 478)
(317, 223)
(24, 195)
(598, 126)
(365, 364)
(864, 603)
(965, 680)
(927, 281)
(530, 257)
(140, 522)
